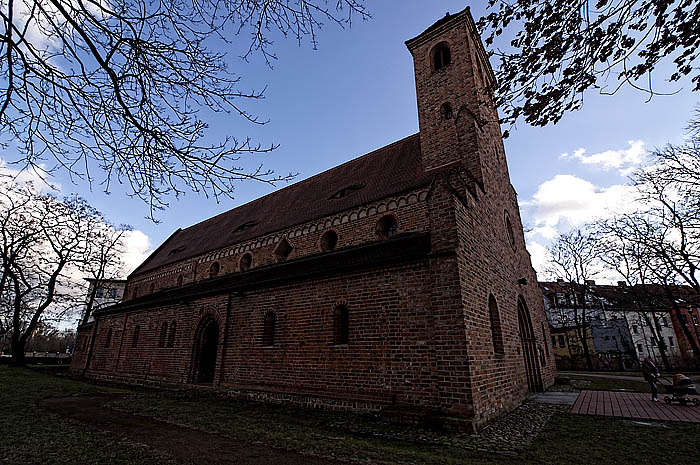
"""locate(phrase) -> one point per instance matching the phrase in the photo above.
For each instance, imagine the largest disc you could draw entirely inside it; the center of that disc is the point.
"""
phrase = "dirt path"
(186, 445)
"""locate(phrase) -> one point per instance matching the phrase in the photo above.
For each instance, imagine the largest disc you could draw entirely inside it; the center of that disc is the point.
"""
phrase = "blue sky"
(356, 93)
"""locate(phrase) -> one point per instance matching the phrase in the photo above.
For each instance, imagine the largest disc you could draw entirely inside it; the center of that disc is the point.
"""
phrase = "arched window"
(246, 262)
(163, 335)
(441, 56)
(135, 338)
(446, 111)
(171, 334)
(387, 227)
(151, 288)
(179, 280)
(283, 249)
(214, 270)
(108, 339)
(509, 229)
(341, 324)
(269, 330)
(496, 331)
(329, 241)
(135, 292)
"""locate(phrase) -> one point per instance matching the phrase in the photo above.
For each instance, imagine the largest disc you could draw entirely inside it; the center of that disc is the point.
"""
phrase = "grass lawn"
(29, 435)
(608, 384)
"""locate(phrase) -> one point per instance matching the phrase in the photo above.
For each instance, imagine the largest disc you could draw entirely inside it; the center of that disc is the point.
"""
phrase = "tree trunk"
(17, 346)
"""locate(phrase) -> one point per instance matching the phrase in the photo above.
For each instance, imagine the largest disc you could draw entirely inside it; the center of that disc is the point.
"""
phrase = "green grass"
(28, 435)
(592, 383)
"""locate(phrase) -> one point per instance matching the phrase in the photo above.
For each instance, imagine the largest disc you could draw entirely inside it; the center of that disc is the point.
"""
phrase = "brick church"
(398, 281)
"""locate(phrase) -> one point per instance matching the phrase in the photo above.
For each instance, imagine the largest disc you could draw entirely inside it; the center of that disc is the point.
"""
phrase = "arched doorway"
(207, 345)
(529, 347)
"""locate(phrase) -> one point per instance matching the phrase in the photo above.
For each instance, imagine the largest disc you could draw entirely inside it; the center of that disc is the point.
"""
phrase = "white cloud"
(569, 201)
(623, 160)
(539, 256)
(37, 176)
(138, 247)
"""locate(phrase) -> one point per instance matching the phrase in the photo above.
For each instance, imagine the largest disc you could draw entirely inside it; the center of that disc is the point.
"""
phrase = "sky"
(355, 93)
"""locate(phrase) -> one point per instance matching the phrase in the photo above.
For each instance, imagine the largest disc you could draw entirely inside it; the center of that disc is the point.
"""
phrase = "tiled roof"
(402, 248)
(652, 296)
(390, 170)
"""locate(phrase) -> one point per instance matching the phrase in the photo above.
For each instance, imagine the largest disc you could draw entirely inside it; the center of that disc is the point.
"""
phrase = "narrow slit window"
(269, 330)
(341, 325)
(496, 332)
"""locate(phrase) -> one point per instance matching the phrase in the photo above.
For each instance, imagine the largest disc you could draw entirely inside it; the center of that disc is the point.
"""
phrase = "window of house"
(179, 280)
(341, 325)
(214, 270)
(614, 338)
(607, 338)
(171, 334)
(112, 293)
(387, 227)
(246, 262)
(329, 241)
(135, 337)
(441, 56)
(664, 320)
(639, 348)
(561, 299)
(108, 339)
(100, 292)
(163, 335)
(268, 339)
(635, 329)
(496, 331)
(446, 111)
(554, 341)
(653, 341)
(283, 250)
(695, 319)
(671, 341)
(562, 341)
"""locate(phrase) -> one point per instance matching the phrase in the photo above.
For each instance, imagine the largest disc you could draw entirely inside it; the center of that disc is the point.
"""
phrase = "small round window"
(329, 241)
(509, 230)
(246, 262)
(387, 227)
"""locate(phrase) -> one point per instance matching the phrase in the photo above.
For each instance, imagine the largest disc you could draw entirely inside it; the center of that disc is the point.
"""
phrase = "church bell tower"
(454, 83)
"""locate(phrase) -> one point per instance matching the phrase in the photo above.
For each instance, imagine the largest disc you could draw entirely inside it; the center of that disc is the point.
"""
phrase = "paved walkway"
(555, 398)
(632, 405)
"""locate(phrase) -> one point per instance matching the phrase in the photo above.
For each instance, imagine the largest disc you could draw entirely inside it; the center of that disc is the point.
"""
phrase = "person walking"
(651, 375)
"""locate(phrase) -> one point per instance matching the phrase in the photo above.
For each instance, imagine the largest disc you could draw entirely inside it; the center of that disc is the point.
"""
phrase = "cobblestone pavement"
(507, 435)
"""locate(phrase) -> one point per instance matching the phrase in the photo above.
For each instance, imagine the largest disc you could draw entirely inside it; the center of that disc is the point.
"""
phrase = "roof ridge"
(329, 170)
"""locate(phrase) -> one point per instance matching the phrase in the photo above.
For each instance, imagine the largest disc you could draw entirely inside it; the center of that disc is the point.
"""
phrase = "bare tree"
(106, 250)
(556, 51)
(575, 258)
(121, 91)
(45, 247)
(657, 248)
